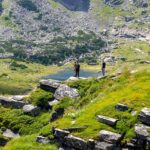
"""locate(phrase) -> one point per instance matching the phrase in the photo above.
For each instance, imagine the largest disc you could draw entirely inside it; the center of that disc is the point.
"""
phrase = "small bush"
(41, 98)
(14, 65)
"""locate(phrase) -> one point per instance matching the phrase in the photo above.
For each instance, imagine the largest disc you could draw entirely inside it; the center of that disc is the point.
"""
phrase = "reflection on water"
(65, 74)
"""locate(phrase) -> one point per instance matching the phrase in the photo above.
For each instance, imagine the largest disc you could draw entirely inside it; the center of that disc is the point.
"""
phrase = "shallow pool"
(65, 74)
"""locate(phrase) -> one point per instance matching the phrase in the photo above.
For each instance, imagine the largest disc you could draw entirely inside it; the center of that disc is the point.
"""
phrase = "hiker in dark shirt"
(103, 68)
(77, 69)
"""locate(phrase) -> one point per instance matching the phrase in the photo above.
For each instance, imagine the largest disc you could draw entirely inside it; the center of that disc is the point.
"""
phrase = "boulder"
(8, 102)
(144, 116)
(57, 113)
(106, 120)
(103, 146)
(110, 137)
(31, 110)
(10, 134)
(19, 97)
(75, 142)
(49, 85)
(42, 139)
(141, 131)
(65, 91)
(121, 107)
(60, 134)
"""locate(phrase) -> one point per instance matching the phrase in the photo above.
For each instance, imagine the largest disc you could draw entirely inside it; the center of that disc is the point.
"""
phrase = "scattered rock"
(19, 97)
(141, 131)
(75, 142)
(107, 120)
(8, 102)
(65, 91)
(60, 134)
(31, 110)
(121, 107)
(54, 102)
(10, 134)
(50, 85)
(144, 116)
(103, 146)
(57, 114)
(42, 139)
(110, 137)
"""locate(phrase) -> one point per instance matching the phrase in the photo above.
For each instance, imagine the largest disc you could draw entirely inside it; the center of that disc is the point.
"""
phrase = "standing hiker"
(103, 68)
(77, 69)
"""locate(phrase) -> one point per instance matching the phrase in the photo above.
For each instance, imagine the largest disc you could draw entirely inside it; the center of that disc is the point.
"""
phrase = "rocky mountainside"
(33, 28)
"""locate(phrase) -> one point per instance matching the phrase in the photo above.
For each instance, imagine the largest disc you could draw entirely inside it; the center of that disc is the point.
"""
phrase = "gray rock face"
(141, 131)
(103, 146)
(109, 137)
(144, 116)
(50, 85)
(60, 134)
(65, 91)
(106, 120)
(75, 142)
(10, 134)
(43, 140)
(31, 110)
(8, 102)
(121, 107)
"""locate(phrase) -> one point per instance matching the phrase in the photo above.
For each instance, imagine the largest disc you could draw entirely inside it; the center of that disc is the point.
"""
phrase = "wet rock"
(50, 85)
(31, 110)
(144, 116)
(121, 107)
(65, 91)
(75, 142)
(8, 102)
(57, 114)
(42, 139)
(106, 120)
(110, 137)
(103, 146)
(10, 134)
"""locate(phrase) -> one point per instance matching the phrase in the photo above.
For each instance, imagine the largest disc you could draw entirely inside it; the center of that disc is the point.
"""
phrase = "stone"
(31, 110)
(19, 97)
(103, 146)
(10, 134)
(65, 91)
(121, 107)
(54, 102)
(60, 134)
(42, 139)
(141, 131)
(106, 120)
(57, 114)
(144, 116)
(8, 102)
(50, 85)
(110, 137)
(75, 142)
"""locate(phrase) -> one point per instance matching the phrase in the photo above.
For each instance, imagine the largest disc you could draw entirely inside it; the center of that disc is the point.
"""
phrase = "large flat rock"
(141, 131)
(50, 85)
(106, 120)
(65, 91)
(144, 116)
(110, 137)
(8, 102)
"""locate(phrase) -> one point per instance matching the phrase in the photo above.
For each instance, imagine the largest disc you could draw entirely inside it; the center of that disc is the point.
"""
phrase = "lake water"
(65, 74)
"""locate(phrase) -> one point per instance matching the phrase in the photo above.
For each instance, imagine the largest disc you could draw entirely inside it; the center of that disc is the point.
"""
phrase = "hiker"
(77, 69)
(103, 68)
